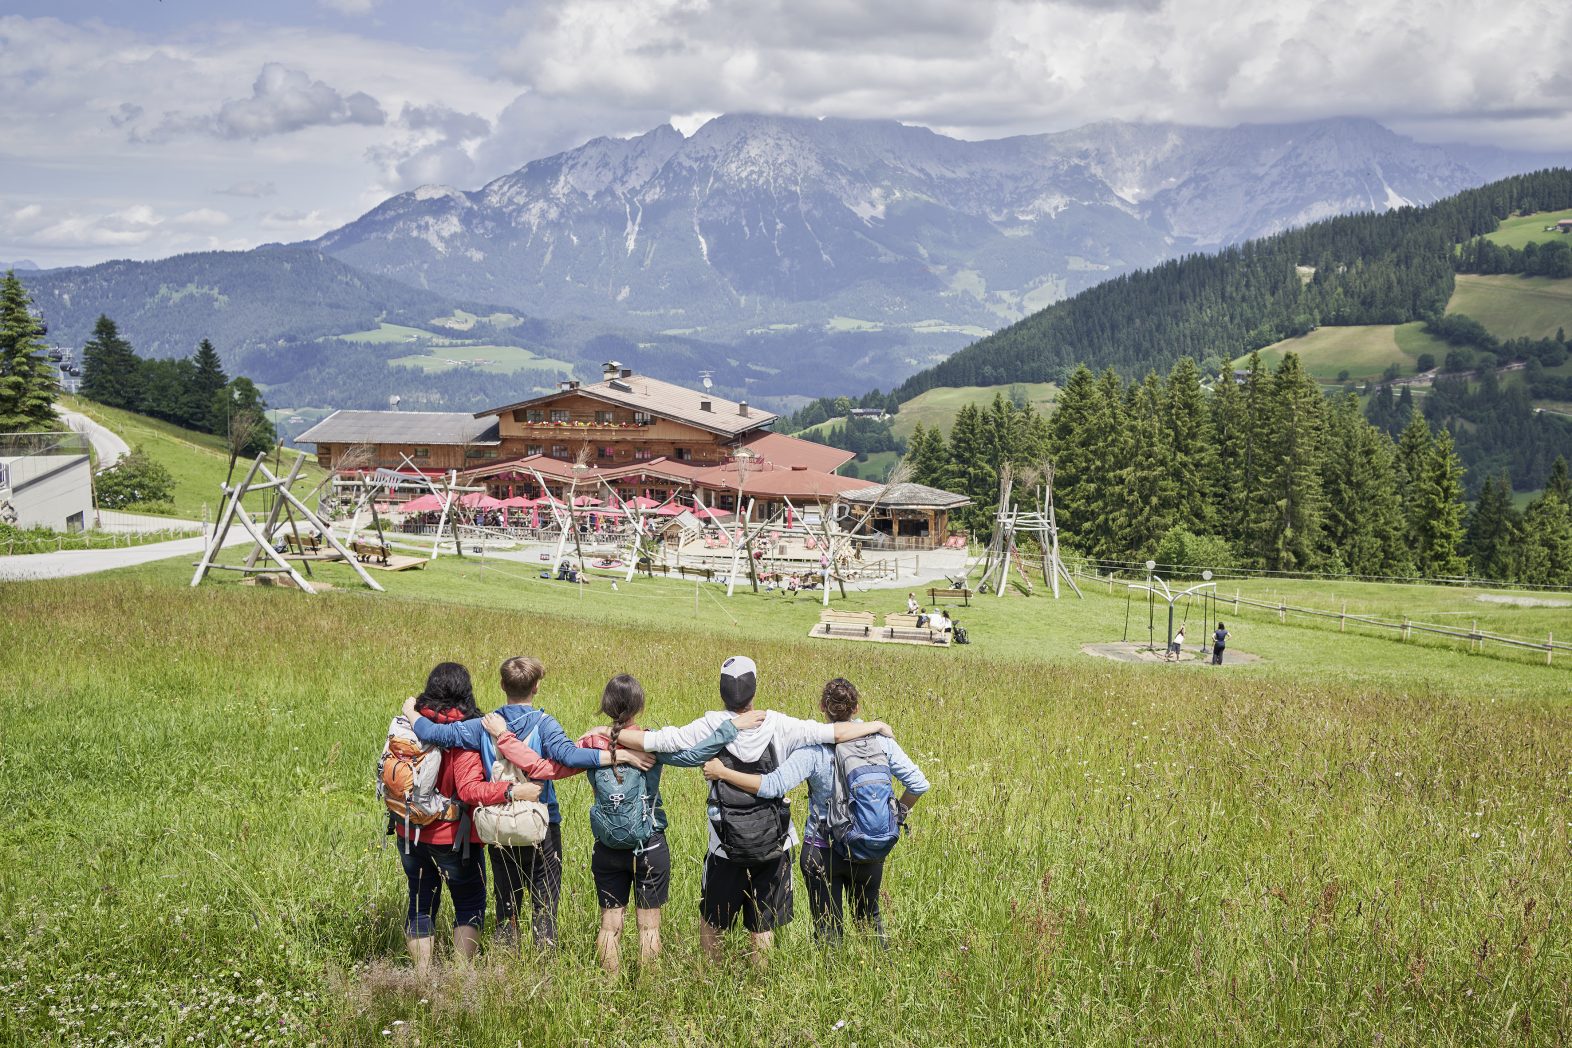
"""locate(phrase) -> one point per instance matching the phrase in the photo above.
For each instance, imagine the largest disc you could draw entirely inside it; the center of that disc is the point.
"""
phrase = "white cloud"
(202, 218)
(250, 188)
(282, 100)
(350, 7)
(439, 149)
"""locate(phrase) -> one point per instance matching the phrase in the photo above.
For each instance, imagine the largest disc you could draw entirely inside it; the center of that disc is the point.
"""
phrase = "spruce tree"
(1413, 451)
(1074, 468)
(1225, 492)
(1143, 496)
(111, 371)
(1558, 484)
(1191, 450)
(1105, 441)
(1363, 525)
(969, 470)
(205, 384)
(1547, 541)
(27, 382)
(1436, 511)
(1494, 532)
(1291, 472)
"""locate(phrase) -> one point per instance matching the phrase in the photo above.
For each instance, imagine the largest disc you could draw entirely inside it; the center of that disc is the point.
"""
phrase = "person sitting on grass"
(515, 868)
(628, 821)
(827, 873)
(912, 607)
(434, 854)
(747, 870)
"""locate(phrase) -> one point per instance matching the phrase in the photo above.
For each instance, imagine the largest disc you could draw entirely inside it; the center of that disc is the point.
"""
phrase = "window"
(76, 521)
(559, 451)
(605, 418)
(480, 453)
(559, 414)
(535, 449)
(536, 415)
(605, 451)
(682, 454)
(643, 418)
(642, 454)
(422, 453)
(626, 494)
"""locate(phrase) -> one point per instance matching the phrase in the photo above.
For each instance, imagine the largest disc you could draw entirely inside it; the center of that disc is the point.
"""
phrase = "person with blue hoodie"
(538, 868)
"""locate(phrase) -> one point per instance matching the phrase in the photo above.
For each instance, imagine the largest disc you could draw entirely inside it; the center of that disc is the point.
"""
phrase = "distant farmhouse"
(640, 436)
(1563, 226)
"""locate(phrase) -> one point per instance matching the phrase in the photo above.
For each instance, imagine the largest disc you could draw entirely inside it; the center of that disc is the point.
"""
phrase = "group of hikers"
(461, 788)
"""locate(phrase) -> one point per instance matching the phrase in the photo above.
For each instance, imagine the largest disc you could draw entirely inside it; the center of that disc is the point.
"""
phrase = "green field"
(499, 360)
(1353, 841)
(1364, 351)
(385, 332)
(938, 407)
(1523, 230)
(877, 465)
(1514, 306)
(198, 461)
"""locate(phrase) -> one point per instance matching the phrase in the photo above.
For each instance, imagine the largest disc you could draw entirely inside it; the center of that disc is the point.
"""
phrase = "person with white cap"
(747, 871)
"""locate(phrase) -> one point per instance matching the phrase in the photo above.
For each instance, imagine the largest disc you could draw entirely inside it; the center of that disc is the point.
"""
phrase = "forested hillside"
(1359, 269)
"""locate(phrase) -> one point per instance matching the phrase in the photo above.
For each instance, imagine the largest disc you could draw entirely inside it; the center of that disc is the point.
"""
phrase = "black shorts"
(644, 875)
(762, 894)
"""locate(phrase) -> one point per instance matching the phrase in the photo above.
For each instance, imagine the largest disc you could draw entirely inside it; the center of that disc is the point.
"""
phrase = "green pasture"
(1364, 351)
(385, 333)
(198, 461)
(1522, 230)
(1512, 306)
(938, 407)
(1354, 840)
(500, 360)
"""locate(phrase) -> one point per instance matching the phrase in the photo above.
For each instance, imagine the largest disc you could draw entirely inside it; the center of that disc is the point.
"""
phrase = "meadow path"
(109, 446)
(91, 561)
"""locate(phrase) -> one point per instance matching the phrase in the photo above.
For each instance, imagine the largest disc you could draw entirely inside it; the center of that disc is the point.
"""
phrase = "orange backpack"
(407, 774)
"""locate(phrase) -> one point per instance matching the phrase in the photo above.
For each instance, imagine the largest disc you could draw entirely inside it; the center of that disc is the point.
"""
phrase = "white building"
(46, 481)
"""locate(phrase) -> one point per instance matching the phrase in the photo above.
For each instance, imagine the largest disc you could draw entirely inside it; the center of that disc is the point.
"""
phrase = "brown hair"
(521, 675)
(840, 699)
(622, 701)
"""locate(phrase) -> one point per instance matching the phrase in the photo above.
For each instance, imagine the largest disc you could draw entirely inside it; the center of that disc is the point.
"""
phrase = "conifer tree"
(1436, 510)
(1230, 438)
(1143, 497)
(27, 383)
(1291, 472)
(1363, 527)
(1547, 541)
(205, 383)
(1494, 532)
(1558, 483)
(1074, 479)
(1105, 439)
(969, 470)
(1188, 435)
(111, 370)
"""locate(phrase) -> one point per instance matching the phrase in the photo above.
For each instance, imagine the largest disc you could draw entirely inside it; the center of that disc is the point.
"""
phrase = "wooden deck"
(398, 562)
(875, 635)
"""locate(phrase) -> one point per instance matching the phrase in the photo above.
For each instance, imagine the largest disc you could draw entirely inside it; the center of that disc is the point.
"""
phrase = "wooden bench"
(846, 623)
(310, 542)
(704, 573)
(365, 551)
(936, 595)
(904, 627)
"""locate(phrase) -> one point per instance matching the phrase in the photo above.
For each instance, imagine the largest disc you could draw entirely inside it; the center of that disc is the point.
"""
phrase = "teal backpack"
(623, 815)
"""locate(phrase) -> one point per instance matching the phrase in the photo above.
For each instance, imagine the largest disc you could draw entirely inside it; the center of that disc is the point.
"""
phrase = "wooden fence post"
(1342, 620)
(1236, 602)
(1405, 627)
(1282, 612)
(1550, 646)
(1476, 642)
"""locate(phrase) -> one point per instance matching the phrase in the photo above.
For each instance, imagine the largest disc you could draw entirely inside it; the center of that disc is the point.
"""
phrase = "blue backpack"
(864, 821)
(623, 815)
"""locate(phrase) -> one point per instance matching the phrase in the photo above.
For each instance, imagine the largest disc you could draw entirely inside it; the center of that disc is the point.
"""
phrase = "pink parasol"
(423, 504)
(710, 513)
(518, 502)
(479, 500)
(586, 500)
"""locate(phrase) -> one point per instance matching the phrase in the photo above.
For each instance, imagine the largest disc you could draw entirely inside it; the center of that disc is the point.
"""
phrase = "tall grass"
(1109, 854)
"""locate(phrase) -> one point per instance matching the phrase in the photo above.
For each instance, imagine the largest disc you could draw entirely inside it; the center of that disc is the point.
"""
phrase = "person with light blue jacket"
(830, 877)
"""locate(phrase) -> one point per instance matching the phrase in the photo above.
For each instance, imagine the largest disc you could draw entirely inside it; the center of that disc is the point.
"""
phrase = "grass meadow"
(1353, 841)
(1364, 351)
(1522, 230)
(1514, 306)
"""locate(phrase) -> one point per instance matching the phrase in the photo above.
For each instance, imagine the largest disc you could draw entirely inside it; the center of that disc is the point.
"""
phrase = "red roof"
(792, 451)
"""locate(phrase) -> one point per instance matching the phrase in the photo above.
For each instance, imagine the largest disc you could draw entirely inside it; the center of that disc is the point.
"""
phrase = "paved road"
(109, 446)
(90, 561)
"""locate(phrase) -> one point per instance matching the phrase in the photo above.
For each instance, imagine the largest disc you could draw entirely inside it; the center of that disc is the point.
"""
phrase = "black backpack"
(961, 636)
(753, 830)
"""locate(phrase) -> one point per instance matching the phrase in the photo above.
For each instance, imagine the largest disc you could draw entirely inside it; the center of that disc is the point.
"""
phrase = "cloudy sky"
(142, 128)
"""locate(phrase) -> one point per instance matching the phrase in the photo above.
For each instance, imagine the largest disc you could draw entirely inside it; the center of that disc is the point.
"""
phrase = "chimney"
(705, 405)
(609, 370)
(742, 408)
(627, 372)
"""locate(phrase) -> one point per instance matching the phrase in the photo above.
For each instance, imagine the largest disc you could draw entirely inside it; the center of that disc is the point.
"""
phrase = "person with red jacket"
(440, 855)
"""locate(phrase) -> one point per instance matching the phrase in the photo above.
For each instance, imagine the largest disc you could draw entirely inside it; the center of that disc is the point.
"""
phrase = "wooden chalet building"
(636, 435)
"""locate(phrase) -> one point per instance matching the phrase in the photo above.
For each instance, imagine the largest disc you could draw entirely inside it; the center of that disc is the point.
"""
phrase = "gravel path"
(61, 565)
(110, 447)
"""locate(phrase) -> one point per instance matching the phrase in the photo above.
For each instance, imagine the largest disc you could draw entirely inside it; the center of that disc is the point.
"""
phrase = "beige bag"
(512, 823)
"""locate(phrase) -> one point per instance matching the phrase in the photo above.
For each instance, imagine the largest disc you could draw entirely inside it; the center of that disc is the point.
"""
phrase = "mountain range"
(798, 256)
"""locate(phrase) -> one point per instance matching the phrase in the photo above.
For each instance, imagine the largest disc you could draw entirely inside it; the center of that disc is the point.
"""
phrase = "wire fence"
(1404, 626)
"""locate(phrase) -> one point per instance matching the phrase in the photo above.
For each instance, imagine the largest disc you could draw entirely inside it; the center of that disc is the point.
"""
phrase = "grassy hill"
(198, 461)
(938, 407)
(1521, 230)
(1363, 351)
(1330, 845)
(1514, 306)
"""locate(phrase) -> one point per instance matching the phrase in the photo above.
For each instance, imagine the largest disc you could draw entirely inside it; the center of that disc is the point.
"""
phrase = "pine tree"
(928, 456)
(1291, 472)
(1190, 446)
(1105, 440)
(1252, 530)
(1558, 484)
(1413, 451)
(1363, 526)
(1225, 492)
(1074, 468)
(1436, 511)
(205, 384)
(1143, 497)
(27, 383)
(111, 370)
(250, 431)
(1547, 541)
(969, 470)
(1494, 532)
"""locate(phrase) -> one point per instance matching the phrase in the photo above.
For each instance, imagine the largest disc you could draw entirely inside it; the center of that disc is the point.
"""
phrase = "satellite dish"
(707, 383)
(394, 400)
(704, 376)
